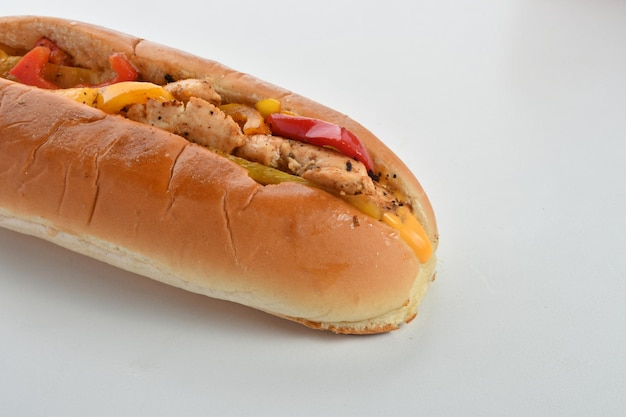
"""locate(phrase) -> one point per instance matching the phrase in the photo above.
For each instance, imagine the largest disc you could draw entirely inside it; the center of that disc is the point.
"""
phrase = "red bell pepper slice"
(57, 55)
(29, 69)
(123, 68)
(320, 133)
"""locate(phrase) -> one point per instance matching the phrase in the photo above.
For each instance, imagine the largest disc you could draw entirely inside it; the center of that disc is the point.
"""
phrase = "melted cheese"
(411, 231)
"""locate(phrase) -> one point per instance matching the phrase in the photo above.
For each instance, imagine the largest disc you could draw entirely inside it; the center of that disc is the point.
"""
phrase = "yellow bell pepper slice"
(7, 62)
(267, 106)
(113, 98)
(84, 95)
(250, 120)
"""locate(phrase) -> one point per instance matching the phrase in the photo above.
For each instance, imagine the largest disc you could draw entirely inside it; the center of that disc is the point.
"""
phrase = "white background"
(511, 113)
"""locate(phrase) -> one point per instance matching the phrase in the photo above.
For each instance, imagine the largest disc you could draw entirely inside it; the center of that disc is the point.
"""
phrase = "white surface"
(511, 113)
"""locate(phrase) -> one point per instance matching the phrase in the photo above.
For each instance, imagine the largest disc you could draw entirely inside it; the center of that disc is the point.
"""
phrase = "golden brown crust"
(194, 218)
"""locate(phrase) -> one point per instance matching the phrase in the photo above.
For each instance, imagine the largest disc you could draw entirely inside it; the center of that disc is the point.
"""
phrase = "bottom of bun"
(388, 321)
(133, 262)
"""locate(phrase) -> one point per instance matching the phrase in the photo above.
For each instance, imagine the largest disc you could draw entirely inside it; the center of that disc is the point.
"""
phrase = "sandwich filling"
(272, 143)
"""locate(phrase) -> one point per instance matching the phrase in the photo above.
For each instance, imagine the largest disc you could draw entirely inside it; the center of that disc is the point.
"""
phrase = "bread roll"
(151, 202)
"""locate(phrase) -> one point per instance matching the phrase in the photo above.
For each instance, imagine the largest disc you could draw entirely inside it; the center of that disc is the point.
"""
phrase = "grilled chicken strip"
(198, 120)
(184, 90)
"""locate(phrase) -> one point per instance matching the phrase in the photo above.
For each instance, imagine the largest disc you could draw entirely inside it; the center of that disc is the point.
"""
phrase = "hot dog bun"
(151, 202)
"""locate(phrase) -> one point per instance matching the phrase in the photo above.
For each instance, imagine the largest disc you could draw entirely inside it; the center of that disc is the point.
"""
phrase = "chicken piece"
(329, 168)
(183, 90)
(198, 121)
(264, 149)
(322, 166)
